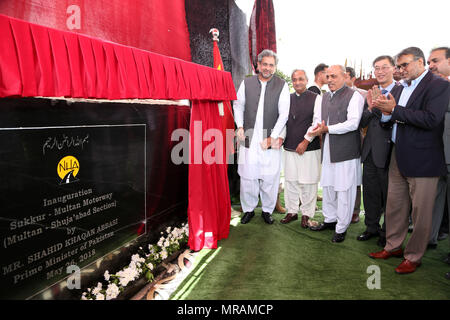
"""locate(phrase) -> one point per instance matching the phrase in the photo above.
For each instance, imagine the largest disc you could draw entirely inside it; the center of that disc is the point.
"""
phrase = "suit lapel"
(419, 89)
(397, 91)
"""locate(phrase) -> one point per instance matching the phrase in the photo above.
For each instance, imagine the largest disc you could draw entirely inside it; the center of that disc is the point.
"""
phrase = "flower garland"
(142, 263)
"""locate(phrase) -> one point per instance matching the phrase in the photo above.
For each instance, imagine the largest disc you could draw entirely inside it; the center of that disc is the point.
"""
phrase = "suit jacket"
(315, 89)
(420, 125)
(446, 136)
(378, 137)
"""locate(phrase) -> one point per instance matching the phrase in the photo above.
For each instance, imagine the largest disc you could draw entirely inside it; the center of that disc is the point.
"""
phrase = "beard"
(266, 74)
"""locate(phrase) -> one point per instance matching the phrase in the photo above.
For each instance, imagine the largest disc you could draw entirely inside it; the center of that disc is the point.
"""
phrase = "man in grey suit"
(447, 160)
(439, 64)
(376, 151)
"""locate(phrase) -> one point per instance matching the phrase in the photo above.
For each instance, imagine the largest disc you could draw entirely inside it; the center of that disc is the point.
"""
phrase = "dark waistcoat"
(334, 110)
(271, 97)
(301, 114)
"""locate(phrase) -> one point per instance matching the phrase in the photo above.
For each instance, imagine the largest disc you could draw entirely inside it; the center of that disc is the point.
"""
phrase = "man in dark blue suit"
(375, 154)
(417, 159)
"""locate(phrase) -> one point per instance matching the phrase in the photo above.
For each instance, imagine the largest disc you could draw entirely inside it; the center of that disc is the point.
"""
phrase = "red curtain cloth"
(227, 119)
(261, 33)
(209, 208)
(156, 25)
(40, 61)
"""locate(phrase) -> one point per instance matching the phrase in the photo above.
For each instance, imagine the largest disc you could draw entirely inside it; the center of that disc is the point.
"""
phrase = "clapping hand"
(384, 104)
(319, 129)
(372, 95)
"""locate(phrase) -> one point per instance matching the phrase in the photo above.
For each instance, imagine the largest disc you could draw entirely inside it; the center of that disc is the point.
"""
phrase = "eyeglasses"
(404, 65)
(383, 68)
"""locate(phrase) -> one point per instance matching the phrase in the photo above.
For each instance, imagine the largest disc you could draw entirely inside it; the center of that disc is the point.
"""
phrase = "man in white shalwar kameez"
(260, 111)
(338, 121)
(301, 157)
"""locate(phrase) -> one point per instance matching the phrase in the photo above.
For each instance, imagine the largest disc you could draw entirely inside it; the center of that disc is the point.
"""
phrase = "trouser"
(438, 210)
(375, 186)
(295, 192)
(404, 192)
(337, 206)
(266, 189)
(357, 208)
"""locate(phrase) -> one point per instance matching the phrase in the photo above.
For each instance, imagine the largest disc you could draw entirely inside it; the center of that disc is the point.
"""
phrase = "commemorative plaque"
(83, 185)
(70, 195)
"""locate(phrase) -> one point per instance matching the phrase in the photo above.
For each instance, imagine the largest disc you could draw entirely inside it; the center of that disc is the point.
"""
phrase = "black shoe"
(442, 236)
(267, 217)
(432, 246)
(447, 259)
(366, 236)
(324, 226)
(247, 217)
(338, 237)
(381, 242)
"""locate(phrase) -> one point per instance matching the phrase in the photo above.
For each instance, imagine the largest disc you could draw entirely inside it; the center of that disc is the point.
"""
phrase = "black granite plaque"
(69, 195)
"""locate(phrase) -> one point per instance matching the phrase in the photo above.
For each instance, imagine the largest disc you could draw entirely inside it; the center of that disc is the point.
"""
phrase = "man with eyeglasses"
(439, 64)
(417, 159)
(376, 150)
(261, 111)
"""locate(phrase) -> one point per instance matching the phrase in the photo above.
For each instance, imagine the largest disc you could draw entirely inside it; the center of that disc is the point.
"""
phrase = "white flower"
(99, 296)
(164, 254)
(150, 266)
(168, 230)
(127, 275)
(97, 289)
(107, 275)
(166, 243)
(112, 292)
(137, 259)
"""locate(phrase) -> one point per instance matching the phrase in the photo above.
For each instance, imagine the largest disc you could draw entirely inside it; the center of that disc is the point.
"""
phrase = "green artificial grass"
(278, 262)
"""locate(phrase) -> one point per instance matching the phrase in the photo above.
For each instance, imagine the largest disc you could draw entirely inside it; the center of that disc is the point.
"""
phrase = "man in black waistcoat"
(302, 158)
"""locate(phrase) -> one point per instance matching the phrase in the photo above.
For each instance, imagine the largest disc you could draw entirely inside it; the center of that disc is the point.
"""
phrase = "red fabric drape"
(261, 33)
(227, 119)
(40, 61)
(209, 209)
(155, 25)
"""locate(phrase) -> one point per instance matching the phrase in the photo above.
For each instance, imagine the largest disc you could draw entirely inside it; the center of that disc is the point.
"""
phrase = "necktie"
(384, 91)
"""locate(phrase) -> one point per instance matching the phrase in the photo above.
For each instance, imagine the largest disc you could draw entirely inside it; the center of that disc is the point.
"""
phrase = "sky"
(331, 31)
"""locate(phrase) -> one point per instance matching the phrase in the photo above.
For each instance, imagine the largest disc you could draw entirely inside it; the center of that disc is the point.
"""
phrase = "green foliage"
(286, 78)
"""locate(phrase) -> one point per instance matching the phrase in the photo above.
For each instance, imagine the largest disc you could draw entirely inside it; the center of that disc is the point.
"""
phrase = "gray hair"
(295, 70)
(267, 53)
(416, 52)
